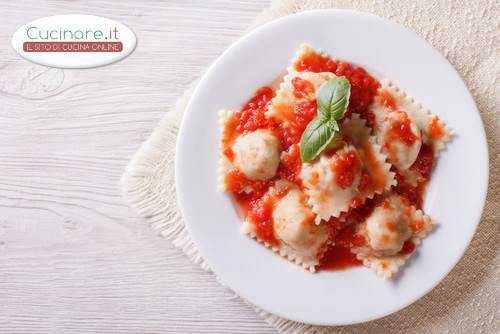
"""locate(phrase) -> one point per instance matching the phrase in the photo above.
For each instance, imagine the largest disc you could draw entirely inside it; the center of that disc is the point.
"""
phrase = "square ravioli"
(346, 175)
(390, 234)
(248, 159)
(357, 198)
(407, 132)
(291, 231)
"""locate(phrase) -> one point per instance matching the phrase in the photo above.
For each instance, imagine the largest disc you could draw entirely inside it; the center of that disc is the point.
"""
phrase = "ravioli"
(345, 177)
(327, 196)
(297, 237)
(391, 233)
(253, 154)
(403, 127)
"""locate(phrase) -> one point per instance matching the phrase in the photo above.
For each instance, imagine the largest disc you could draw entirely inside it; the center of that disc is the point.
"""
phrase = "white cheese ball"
(400, 153)
(388, 227)
(257, 154)
(294, 224)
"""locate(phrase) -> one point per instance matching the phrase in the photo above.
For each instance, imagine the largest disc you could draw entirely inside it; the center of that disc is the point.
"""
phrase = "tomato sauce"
(408, 247)
(260, 214)
(290, 166)
(359, 213)
(436, 131)
(302, 89)
(303, 113)
(347, 237)
(339, 256)
(401, 130)
(356, 203)
(236, 182)
(425, 161)
(423, 164)
(414, 194)
(256, 210)
(369, 116)
(345, 168)
(387, 100)
(228, 152)
(229, 135)
(364, 182)
(252, 116)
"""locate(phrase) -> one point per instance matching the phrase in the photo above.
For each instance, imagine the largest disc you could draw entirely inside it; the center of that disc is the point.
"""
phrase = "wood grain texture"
(73, 257)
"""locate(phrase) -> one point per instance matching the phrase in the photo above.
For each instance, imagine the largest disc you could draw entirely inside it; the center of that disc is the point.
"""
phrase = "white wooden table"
(74, 258)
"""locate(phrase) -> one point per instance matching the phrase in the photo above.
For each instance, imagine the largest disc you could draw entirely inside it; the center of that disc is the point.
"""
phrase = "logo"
(74, 41)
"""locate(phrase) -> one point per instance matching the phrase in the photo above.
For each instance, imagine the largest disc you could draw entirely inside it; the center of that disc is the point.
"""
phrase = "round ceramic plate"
(455, 197)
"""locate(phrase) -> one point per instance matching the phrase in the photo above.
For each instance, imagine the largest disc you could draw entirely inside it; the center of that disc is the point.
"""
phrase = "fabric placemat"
(468, 300)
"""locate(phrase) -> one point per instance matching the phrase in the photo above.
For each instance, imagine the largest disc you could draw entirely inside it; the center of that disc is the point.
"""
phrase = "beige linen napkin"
(468, 300)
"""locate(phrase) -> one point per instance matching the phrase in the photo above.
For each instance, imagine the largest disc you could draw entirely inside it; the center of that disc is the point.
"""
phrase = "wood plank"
(74, 258)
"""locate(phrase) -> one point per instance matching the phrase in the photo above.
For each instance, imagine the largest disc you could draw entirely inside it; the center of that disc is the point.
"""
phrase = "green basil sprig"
(332, 100)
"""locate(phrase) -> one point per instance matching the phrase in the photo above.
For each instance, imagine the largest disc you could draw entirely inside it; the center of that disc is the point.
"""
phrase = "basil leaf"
(317, 135)
(333, 98)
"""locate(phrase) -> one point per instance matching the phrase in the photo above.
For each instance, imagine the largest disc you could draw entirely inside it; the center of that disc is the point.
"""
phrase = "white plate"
(455, 197)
